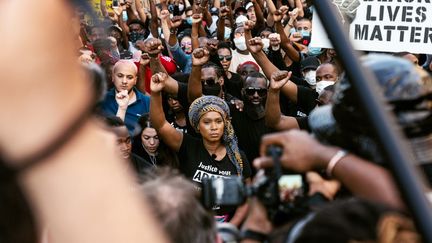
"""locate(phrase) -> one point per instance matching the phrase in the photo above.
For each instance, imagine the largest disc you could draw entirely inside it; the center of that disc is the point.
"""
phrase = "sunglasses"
(251, 91)
(228, 58)
(210, 81)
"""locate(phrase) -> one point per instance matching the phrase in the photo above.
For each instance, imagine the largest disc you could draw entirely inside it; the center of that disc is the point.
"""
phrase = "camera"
(281, 192)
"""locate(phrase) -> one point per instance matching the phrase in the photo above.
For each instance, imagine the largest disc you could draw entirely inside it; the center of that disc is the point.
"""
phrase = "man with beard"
(124, 100)
(249, 124)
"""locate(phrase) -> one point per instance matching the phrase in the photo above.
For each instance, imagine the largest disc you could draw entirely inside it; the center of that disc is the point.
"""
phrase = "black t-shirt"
(303, 123)
(234, 85)
(196, 163)
(139, 164)
(248, 132)
(306, 99)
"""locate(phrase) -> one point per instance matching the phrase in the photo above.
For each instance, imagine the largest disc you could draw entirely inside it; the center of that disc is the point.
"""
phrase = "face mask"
(135, 36)
(314, 51)
(310, 77)
(304, 33)
(181, 7)
(189, 20)
(266, 43)
(211, 89)
(322, 84)
(240, 43)
(227, 33)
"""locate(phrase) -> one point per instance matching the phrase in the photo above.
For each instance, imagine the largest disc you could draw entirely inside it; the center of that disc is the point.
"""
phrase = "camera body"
(280, 192)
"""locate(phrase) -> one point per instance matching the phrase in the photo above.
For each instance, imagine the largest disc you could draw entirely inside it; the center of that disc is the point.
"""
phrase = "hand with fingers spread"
(279, 79)
(297, 154)
(249, 25)
(153, 47)
(255, 45)
(200, 56)
(158, 82)
(122, 99)
(176, 21)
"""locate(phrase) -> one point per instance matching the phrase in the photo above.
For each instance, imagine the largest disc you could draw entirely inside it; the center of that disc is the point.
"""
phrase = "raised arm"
(196, 22)
(363, 178)
(260, 22)
(273, 115)
(168, 133)
(205, 12)
(200, 56)
(153, 19)
(255, 46)
(140, 9)
(285, 42)
(153, 47)
(103, 8)
(223, 14)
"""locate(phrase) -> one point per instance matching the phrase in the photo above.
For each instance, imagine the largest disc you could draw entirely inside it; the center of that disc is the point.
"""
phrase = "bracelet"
(334, 161)
(253, 235)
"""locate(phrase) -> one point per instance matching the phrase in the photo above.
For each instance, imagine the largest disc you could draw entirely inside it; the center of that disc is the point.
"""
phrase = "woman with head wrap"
(216, 154)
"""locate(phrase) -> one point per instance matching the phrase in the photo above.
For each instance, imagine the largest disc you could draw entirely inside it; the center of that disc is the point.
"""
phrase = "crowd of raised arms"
(194, 94)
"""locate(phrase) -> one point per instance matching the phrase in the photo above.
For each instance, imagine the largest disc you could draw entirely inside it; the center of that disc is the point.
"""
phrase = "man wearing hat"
(308, 68)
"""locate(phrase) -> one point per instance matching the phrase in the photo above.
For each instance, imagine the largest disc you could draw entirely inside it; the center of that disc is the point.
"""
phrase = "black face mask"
(213, 89)
(135, 36)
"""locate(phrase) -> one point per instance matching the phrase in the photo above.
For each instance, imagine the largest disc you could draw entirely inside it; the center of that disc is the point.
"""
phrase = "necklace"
(153, 160)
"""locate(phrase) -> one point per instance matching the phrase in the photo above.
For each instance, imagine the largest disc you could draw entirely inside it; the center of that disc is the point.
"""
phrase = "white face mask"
(310, 77)
(240, 43)
(322, 84)
(266, 43)
(181, 7)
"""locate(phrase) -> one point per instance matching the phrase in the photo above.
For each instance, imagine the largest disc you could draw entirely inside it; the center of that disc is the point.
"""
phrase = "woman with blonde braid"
(216, 154)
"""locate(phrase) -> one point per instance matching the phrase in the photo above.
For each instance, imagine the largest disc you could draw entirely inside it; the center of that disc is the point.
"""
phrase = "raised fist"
(196, 18)
(275, 39)
(200, 56)
(145, 59)
(279, 79)
(176, 21)
(153, 47)
(255, 45)
(158, 82)
(164, 14)
(122, 99)
(249, 25)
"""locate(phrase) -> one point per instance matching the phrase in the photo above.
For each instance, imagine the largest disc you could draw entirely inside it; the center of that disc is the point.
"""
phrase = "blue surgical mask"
(314, 51)
(227, 33)
(189, 20)
(304, 33)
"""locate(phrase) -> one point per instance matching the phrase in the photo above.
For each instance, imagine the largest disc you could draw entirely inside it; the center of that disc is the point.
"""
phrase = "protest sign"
(383, 25)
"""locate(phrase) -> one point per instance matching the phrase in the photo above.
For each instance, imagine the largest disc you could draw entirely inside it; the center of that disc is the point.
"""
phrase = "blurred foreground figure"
(51, 149)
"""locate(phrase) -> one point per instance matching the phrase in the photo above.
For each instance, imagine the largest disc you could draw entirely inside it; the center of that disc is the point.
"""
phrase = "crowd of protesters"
(193, 90)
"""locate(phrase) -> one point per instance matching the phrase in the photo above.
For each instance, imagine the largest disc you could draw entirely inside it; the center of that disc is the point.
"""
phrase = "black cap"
(311, 62)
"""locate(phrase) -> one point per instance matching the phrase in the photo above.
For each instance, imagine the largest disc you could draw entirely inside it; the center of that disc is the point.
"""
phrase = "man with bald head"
(124, 100)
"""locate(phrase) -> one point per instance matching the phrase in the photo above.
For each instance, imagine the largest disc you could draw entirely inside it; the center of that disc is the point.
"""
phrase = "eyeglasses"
(210, 81)
(228, 58)
(251, 91)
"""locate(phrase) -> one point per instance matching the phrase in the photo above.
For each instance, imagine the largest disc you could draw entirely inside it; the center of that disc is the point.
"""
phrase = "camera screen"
(290, 187)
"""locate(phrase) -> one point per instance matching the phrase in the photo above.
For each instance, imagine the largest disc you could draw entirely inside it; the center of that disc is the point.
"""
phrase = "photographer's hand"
(302, 153)
(256, 221)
